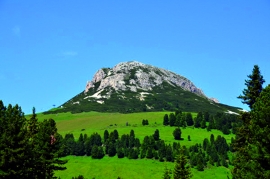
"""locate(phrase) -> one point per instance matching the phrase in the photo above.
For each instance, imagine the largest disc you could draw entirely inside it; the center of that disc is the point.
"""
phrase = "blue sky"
(49, 49)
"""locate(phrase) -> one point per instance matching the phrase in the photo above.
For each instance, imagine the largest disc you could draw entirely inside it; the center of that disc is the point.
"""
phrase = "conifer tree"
(181, 169)
(47, 150)
(166, 120)
(106, 135)
(166, 173)
(177, 133)
(254, 87)
(189, 119)
(253, 142)
(156, 134)
(172, 119)
(14, 160)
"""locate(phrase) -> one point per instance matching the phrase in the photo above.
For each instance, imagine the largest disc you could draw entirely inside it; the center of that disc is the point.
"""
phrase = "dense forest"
(32, 149)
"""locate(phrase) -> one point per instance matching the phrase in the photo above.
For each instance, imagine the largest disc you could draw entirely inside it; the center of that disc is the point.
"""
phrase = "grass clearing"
(112, 167)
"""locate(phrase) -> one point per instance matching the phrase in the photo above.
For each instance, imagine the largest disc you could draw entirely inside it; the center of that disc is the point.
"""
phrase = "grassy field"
(107, 167)
(112, 167)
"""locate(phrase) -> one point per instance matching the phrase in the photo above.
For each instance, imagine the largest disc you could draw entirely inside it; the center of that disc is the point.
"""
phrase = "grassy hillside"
(161, 98)
(90, 122)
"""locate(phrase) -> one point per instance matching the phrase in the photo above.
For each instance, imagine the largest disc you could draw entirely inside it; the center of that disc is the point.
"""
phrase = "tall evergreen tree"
(106, 135)
(166, 173)
(177, 133)
(189, 119)
(166, 120)
(14, 156)
(181, 169)
(253, 143)
(254, 87)
(172, 119)
(47, 150)
(156, 134)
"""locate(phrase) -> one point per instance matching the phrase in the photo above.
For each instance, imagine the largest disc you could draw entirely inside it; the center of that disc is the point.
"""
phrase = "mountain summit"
(136, 87)
(136, 76)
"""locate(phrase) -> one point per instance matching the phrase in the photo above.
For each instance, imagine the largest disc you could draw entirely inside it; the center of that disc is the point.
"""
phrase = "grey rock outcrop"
(135, 75)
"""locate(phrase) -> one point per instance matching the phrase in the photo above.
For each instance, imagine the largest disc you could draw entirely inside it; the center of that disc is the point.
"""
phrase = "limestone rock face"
(135, 75)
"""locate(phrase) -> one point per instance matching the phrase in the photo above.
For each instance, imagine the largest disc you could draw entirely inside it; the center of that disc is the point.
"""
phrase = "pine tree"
(189, 119)
(166, 120)
(177, 133)
(172, 119)
(181, 169)
(156, 135)
(203, 124)
(166, 173)
(106, 135)
(14, 149)
(47, 150)
(253, 156)
(254, 87)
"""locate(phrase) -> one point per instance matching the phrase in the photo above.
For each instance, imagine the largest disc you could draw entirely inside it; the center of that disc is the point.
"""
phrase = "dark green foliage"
(132, 133)
(181, 169)
(225, 130)
(97, 152)
(178, 120)
(79, 177)
(145, 122)
(69, 145)
(203, 124)
(115, 133)
(166, 120)
(189, 138)
(206, 116)
(163, 97)
(252, 141)
(198, 120)
(47, 150)
(13, 143)
(120, 153)
(189, 119)
(28, 149)
(254, 87)
(177, 134)
(166, 173)
(80, 148)
(156, 134)
(106, 135)
(111, 149)
(169, 153)
(172, 119)
(200, 166)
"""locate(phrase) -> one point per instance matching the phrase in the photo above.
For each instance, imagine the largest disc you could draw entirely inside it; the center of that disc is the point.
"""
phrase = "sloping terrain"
(136, 87)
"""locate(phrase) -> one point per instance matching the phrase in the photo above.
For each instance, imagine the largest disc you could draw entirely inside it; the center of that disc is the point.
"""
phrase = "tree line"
(227, 123)
(28, 148)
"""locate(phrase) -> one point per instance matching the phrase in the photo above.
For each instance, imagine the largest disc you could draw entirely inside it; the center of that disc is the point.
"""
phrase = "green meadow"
(112, 167)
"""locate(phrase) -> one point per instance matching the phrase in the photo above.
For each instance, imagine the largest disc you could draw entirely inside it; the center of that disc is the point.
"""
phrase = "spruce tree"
(166, 173)
(14, 150)
(166, 120)
(156, 135)
(254, 87)
(252, 159)
(181, 169)
(172, 119)
(177, 133)
(47, 150)
(189, 119)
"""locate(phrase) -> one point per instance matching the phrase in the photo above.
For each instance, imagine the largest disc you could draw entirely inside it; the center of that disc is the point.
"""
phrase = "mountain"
(135, 87)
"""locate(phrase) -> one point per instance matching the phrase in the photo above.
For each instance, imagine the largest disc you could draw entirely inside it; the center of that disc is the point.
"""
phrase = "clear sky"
(49, 49)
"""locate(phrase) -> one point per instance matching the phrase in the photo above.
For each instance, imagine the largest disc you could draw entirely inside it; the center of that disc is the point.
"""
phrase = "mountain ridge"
(136, 87)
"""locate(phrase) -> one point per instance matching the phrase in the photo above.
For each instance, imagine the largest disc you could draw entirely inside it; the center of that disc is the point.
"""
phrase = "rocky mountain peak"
(135, 75)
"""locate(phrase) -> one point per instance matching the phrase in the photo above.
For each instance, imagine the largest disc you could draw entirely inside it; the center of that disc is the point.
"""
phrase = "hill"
(136, 87)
